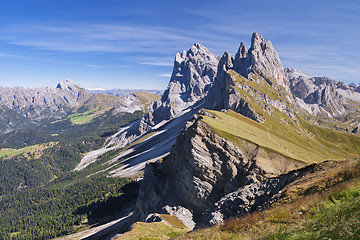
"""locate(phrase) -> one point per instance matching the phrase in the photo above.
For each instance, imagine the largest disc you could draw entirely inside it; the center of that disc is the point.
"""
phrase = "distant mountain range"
(33, 108)
(124, 92)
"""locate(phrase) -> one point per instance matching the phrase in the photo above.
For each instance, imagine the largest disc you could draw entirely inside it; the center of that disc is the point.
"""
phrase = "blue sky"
(132, 44)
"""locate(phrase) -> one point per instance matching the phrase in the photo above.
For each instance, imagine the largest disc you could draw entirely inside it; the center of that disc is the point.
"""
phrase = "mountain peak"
(67, 84)
(198, 50)
(193, 73)
(198, 46)
(257, 40)
(264, 60)
(242, 52)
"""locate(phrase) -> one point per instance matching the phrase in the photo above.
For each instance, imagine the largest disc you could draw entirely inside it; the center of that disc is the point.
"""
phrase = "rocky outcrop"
(201, 169)
(253, 197)
(223, 94)
(183, 214)
(355, 130)
(233, 86)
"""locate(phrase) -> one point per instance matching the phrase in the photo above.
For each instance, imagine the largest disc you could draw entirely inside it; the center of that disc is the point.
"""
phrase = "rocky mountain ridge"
(322, 95)
(32, 102)
(26, 108)
(228, 135)
(203, 80)
(261, 58)
(206, 164)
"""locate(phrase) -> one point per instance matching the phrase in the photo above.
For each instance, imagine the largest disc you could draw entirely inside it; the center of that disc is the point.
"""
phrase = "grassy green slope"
(324, 144)
(233, 125)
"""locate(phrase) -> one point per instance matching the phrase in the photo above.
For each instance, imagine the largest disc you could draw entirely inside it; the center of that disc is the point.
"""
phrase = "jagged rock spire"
(192, 76)
(261, 59)
(225, 63)
(220, 87)
(240, 57)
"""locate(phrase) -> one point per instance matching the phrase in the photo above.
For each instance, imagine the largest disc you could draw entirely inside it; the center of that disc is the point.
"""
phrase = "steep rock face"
(262, 59)
(223, 94)
(194, 71)
(313, 90)
(202, 168)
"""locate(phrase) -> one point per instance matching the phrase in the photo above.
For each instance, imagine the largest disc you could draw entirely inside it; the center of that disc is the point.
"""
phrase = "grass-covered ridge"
(102, 104)
(324, 144)
(294, 126)
(147, 98)
(232, 125)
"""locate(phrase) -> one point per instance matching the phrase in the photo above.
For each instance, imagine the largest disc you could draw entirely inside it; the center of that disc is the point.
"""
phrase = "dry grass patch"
(170, 228)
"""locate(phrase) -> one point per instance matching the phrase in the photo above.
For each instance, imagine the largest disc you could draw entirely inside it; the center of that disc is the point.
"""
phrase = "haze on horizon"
(120, 44)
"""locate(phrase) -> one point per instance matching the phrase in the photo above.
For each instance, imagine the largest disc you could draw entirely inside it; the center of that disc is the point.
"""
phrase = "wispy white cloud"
(95, 66)
(6, 55)
(156, 46)
(167, 75)
(94, 38)
(118, 39)
(154, 63)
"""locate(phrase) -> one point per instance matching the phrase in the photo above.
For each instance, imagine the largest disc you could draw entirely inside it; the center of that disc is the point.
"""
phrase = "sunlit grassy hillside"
(317, 145)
